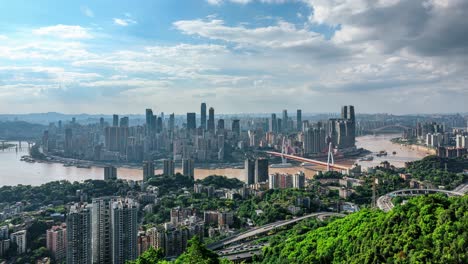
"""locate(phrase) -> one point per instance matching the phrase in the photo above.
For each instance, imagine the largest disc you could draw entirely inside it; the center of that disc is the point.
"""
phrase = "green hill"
(428, 229)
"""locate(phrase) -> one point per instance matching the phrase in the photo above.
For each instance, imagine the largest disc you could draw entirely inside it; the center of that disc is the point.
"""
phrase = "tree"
(197, 253)
(150, 256)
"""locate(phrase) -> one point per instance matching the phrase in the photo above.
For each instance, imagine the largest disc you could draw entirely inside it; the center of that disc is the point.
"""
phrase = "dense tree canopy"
(221, 182)
(427, 229)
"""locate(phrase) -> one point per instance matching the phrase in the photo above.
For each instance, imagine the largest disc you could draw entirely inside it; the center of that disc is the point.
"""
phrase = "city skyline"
(261, 55)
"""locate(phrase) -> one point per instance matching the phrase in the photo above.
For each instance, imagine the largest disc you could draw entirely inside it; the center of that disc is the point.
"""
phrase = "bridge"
(301, 159)
(389, 126)
(267, 228)
(385, 202)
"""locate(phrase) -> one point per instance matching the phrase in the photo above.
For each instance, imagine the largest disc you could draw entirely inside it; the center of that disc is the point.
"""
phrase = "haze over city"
(241, 56)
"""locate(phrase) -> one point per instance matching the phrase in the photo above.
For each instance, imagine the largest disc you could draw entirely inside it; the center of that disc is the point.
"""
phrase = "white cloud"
(124, 21)
(87, 11)
(214, 2)
(3, 37)
(64, 32)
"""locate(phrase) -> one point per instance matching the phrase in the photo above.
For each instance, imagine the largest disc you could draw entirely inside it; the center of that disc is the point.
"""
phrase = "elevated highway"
(385, 201)
(267, 228)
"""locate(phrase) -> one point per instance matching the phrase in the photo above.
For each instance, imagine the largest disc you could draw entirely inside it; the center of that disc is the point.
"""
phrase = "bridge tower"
(330, 156)
(283, 151)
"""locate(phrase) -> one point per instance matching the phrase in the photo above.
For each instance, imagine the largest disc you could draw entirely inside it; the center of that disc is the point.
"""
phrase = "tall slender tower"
(101, 229)
(203, 116)
(211, 122)
(299, 120)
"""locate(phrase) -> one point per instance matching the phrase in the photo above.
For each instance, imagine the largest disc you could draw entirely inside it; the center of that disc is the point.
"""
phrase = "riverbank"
(414, 146)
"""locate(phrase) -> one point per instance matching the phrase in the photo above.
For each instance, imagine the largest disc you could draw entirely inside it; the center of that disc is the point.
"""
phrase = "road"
(462, 188)
(385, 202)
(268, 227)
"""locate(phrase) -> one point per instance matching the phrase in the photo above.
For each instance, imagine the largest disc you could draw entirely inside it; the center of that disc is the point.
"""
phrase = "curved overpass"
(385, 201)
(268, 227)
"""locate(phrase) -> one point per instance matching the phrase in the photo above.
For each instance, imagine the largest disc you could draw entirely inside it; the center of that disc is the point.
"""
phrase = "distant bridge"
(267, 228)
(385, 202)
(389, 126)
(301, 159)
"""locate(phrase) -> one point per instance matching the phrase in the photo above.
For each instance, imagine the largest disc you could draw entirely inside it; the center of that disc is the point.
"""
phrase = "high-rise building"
(279, 125)
(211, 121)
(79, 235)
(124, 230)
(285, 120)
(188, 168)
(110, 173)
(299, 120)
(68, 141)
(171, 122)
(273, 124)
(261, 170)
(168, 167)
(124, 121)
(236, 126)
(115, 120)
(149, 121)
(191, 121)
(220, 126)
(19, 239)
(148, 170)
(314, 140)
(249, 168)
(159, 124)
(203, 116)
(101, 229)
(343, 131)
(56, 242)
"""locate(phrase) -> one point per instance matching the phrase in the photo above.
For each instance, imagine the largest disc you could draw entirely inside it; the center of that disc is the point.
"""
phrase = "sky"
(238, 56)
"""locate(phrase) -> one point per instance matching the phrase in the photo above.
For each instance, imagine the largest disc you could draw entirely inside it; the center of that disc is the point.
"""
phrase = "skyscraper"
(236, 126)
(68, 141)
(171, 122)
(261, 170)
(101, 229)
(188, 168)
(110, 173)
(191, 121)
(148, 170)
(115, 120)
(273, 124)
(285, 120)
(79, 235)
(249, 168)
(124, 230)
(168, 168)
(343, 131)
(299, 120)
(149, 115)
(124, 121)
(203, 116)
(211, 122)
(220, 126)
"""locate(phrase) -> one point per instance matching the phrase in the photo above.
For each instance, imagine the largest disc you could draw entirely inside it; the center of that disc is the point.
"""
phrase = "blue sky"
(237, 55)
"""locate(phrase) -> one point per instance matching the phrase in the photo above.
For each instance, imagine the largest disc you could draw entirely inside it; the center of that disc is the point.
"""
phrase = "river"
(13, 171)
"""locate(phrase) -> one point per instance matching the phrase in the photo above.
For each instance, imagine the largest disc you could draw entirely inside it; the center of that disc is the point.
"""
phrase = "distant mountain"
(20, 130)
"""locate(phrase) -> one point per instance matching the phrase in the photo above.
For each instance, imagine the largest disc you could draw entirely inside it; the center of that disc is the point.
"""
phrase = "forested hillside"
(428, 229)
